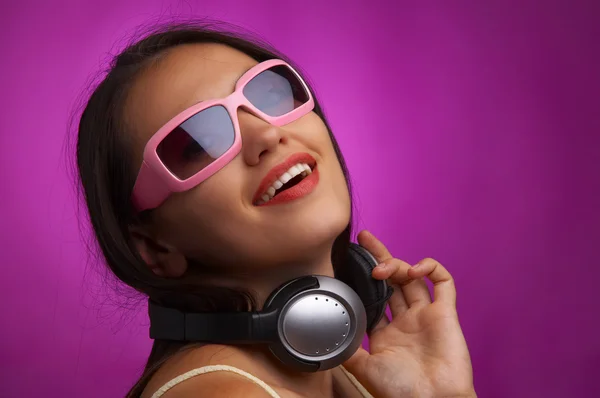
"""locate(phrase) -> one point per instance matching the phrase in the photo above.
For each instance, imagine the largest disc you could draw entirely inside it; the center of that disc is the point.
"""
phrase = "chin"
(322, 225)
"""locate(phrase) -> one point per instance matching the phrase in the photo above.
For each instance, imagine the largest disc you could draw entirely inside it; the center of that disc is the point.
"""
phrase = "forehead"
(183, 76)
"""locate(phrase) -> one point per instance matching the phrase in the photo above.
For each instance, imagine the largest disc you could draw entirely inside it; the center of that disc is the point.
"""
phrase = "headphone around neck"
(310, 323)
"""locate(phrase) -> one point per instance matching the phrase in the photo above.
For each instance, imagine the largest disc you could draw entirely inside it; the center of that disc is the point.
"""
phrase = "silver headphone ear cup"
(321, 327)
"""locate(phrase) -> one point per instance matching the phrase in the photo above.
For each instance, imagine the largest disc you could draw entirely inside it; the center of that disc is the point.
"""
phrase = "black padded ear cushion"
(356, 273)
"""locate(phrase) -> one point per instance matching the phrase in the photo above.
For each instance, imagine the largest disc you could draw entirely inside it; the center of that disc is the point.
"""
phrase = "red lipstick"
(304, 187)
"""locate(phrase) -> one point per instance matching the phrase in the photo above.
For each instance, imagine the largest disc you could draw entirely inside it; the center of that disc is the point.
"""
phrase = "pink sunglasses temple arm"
(149, 190)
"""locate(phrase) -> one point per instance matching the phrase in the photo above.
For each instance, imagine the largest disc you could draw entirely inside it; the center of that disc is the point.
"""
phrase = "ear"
(162, 259)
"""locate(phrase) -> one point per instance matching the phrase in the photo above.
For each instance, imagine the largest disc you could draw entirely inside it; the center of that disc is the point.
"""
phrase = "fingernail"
(382, 265)
(417, 265)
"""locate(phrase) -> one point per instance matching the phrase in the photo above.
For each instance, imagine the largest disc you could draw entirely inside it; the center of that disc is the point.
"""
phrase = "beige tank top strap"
(214, 368)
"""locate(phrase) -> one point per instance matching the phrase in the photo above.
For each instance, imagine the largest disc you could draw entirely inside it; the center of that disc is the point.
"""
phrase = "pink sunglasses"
(202, 139)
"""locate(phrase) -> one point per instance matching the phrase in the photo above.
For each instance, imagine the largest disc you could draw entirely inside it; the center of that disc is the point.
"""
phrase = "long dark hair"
(107, 176)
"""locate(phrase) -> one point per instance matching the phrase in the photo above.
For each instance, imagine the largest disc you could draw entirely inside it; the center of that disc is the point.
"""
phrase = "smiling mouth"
(288, 179)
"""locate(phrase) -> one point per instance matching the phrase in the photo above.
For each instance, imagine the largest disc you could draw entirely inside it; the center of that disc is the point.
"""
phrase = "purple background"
(471, 131)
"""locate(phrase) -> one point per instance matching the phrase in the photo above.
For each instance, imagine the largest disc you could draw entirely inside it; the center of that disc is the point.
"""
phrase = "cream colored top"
(217, 368)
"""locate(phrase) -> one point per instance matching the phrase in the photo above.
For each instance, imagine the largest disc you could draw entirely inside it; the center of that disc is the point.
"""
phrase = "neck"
(262, 282)
(265, 283)
(319, 384)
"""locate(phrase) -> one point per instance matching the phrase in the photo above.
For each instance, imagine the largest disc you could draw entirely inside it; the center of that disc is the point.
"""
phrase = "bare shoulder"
(217, 384)
(210, 384)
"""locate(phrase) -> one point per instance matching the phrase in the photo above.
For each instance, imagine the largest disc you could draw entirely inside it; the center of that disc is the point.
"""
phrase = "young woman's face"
(217, 222)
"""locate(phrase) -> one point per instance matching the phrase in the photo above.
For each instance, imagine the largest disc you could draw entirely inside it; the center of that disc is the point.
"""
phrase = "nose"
(258, 137)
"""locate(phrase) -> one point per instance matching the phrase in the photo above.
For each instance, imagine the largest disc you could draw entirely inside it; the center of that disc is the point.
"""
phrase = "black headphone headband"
(233, 327)
(310, 323)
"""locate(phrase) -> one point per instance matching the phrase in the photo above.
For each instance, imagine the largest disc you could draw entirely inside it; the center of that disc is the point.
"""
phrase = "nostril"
(262, 153)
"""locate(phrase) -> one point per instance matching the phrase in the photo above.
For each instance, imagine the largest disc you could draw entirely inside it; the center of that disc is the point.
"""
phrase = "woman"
(265, 199)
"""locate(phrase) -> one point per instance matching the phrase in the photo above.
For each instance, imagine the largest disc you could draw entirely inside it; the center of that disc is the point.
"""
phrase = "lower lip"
(303, 188)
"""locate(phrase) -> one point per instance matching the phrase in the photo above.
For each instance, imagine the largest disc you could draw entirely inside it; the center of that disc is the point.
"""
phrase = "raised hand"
(421, 352)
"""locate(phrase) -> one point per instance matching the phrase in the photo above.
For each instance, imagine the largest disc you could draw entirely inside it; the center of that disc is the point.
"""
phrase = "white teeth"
(285, 177)
(295, 170)
(300, 168)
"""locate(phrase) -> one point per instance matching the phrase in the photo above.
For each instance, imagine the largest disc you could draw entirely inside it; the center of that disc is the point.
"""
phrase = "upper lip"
(278, 170)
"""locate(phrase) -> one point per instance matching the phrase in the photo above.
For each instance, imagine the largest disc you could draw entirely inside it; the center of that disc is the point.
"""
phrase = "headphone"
(310, 323)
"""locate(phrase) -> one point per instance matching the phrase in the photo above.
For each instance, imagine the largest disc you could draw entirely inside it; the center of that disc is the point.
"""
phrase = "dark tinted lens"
(276, 91)
(197, 142)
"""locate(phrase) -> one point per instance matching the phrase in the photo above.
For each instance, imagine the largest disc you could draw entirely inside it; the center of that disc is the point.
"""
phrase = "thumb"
(357, 364)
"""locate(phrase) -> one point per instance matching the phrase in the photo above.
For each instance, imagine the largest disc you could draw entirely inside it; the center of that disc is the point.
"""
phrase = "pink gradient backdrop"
(472, 133)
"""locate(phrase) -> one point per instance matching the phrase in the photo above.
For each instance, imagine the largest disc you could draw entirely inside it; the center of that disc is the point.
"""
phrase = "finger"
(389, 268)
(396, 272)
(444, 289)
(412, 291)
(416, 292)
(367, 240)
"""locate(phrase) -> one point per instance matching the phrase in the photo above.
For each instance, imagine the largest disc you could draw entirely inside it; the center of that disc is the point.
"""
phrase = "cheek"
(334, 198)
(201, 220)
(317, 138)
(339, 189)
(331, 162)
